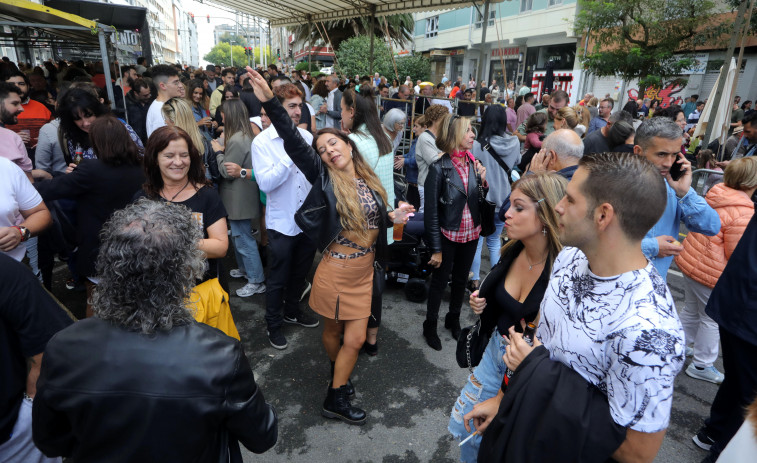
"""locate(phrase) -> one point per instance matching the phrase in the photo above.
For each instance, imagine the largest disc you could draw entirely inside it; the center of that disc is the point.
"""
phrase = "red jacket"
(704, 257)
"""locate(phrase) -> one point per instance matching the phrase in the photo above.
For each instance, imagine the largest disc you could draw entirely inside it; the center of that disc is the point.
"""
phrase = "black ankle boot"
(338, 406)
(349, 386)
(452, 323)
(429, 332)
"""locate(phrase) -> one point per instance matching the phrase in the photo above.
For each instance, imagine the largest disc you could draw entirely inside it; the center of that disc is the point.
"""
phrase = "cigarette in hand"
(467, 439)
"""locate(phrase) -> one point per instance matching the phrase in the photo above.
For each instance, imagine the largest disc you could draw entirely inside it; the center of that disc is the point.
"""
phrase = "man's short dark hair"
(662, 127)
(161, 72)
(139, 84)
(609, 100)
(9, 73)
(227, 71)
(126, 68)
(210, 68)
(529, 96)
(750, 119)
(6, 88)
(630, 184)
(273, 66)
(281, 77)
(695, 97)
(141, 60)
(560, 95)
(621, 115)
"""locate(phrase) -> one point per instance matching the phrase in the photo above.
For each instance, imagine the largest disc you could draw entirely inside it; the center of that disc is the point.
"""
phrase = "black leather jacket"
(445, 200)
(317, 217)
(109, 394)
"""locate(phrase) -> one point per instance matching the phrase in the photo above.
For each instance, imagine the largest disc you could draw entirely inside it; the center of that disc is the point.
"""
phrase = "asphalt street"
(407, 390)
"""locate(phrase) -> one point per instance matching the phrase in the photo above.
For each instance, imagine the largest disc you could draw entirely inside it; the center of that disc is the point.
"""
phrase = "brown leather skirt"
(342, 288)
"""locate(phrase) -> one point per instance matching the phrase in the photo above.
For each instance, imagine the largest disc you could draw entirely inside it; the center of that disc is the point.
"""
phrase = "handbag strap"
(477, 328)
(488, 148)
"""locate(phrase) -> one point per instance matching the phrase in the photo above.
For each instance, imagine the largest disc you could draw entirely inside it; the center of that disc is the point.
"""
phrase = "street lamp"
(231, 53)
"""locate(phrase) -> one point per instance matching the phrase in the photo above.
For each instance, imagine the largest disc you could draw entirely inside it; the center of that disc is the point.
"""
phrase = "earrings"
(350, 154)
(544, 231)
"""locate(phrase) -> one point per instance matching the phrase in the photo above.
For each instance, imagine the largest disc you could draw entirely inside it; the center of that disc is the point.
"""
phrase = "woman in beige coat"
(240, 196)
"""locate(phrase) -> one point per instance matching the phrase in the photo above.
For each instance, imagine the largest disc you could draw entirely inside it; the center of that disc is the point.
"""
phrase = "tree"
(233, 38)
(649, 40)
(353, 57)
(220, 56)
(400, 28)
(415, 66)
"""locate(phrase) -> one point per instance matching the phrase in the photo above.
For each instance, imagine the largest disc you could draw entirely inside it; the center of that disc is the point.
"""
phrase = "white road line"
(676, 273)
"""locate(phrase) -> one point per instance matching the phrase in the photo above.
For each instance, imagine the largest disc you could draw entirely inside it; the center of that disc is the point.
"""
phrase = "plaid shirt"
(467, 231)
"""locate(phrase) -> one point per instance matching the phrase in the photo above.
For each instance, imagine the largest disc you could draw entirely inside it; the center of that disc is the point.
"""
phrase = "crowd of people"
(579, 208)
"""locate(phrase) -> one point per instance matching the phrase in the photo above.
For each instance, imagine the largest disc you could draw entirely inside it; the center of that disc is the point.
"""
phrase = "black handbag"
(485, 210)
(471, 346)
(379, 279)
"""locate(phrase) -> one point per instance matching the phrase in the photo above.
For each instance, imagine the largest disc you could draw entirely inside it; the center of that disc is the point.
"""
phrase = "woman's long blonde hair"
(546, 190)
(178, 111)
(351, 214)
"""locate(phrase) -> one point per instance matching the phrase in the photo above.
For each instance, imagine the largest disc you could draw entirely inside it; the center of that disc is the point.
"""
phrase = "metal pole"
(231, 54)
(481, 55)
(106, 68)
(726, 66)
(310, 41)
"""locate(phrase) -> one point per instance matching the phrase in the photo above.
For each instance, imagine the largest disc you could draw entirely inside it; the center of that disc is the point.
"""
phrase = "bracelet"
(19, 231)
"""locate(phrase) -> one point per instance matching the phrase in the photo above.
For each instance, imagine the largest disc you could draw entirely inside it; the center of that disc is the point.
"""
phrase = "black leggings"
(456, 259)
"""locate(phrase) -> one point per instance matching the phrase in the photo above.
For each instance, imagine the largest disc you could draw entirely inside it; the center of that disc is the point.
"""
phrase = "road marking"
(676, 273)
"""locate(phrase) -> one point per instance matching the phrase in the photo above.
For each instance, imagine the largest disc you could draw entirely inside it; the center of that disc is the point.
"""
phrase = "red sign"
(512, 51)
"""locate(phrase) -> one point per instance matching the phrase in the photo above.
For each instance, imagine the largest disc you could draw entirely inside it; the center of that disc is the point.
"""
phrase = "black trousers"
(738, 390)
(290, 259)
(456, 260)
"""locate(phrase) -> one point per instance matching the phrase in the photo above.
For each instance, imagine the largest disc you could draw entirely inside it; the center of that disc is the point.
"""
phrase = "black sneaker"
(703, 441)
(303, 319)
(277, 339)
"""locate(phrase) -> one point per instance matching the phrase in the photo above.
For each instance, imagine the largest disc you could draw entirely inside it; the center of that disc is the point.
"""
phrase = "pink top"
(14, 149)
(532, 140)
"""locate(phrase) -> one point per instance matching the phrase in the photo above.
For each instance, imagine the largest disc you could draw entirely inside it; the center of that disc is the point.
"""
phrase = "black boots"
(452, 323)
(349, 386)
(338, 406)
(429, 332)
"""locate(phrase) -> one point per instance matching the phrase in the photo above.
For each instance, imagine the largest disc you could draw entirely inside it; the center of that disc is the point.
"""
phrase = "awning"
(288, 13)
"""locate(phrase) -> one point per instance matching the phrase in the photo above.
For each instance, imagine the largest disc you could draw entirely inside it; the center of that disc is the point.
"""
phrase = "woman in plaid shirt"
(452, 221)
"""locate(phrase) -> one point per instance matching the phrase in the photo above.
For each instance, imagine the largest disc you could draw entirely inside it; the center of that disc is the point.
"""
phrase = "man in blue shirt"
(659, 140)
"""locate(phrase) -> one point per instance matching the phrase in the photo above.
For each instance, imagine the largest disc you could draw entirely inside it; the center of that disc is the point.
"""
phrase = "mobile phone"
(676, 170)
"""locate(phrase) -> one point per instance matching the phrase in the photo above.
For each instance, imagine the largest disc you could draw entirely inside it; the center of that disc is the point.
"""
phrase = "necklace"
(183, 188)
(530, 265)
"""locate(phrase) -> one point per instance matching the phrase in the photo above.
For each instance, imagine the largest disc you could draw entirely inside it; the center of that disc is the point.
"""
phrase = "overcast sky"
(205, 30)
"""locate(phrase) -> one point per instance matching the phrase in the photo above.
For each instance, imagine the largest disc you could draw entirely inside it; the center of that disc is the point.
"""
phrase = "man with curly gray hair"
(142, 367)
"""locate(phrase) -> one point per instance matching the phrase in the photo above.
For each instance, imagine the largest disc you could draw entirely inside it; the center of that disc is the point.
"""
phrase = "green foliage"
(415, 66)
(219, 55)
(645, 39)
(303, 66)
(236, 39)
(353, 57)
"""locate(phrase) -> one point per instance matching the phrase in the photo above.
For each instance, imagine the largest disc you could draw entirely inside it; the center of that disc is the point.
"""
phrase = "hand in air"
(259, 85)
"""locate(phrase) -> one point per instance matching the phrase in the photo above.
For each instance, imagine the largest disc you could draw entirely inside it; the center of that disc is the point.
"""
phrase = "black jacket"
(317, 217)
(492, 312)
(445, 200)
(137, 113)
(550, 413)
(732, 303)
(109, 394)
(99, 189)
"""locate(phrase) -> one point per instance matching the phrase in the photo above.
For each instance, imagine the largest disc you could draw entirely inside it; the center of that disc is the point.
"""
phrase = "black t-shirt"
(465, 108)
(595, 142)
(207, 209)
(29, 317)
(482, 93)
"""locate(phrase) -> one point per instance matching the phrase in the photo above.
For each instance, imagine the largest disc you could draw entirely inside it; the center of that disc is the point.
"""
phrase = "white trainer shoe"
(710, 374)
(250, 289)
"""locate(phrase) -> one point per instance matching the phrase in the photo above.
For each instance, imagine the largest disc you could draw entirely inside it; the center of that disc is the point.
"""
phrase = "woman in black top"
(99, 186)
(511, 292)
(345, 213)
(175, 174)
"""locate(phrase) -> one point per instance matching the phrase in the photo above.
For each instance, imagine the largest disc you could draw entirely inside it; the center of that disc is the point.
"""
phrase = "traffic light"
(192, 16)
(208, 19)
(291, 54)
(278, 53)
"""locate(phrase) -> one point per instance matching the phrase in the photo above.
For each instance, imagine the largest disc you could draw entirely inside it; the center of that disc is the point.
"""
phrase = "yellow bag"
(211, 304)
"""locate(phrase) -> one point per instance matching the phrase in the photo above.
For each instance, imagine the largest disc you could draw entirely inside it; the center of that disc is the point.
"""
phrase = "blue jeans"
(494, 243)
(484, 383)
(246, 250)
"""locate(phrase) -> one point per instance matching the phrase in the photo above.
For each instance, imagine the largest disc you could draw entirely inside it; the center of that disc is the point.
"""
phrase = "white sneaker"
(251, 288)
(710, 374)
(236, 273)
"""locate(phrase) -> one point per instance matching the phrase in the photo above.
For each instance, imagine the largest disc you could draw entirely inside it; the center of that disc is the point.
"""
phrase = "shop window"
(432, 26)
(555, 2)
(480, 21)
(526, 5)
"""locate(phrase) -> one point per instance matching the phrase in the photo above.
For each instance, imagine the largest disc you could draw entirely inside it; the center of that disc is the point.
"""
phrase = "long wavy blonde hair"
(351, 214)
(178, 111)
(546, 190)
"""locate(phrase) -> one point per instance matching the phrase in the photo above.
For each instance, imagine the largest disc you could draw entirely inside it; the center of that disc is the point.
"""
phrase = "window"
(554, 2)
(526, 5)
(479, 19)
(432, 26)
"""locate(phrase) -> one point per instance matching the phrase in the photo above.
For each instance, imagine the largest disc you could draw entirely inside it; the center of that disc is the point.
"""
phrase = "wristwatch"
(243, 173)
(25, 233)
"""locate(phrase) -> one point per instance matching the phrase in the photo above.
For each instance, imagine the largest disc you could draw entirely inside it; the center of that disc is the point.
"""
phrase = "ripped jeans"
(484, 383)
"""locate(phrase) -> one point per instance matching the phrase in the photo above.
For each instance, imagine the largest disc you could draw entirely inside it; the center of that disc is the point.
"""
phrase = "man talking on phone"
(659, 140)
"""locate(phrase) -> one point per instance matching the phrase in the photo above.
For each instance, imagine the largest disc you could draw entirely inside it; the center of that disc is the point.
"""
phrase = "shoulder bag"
(471, 346)
(485, 209)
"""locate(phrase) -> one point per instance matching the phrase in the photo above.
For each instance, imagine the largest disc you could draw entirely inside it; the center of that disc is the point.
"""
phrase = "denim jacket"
(698, 216)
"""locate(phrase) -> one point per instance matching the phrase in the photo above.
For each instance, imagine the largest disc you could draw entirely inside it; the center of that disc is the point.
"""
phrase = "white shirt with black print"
(622, 334)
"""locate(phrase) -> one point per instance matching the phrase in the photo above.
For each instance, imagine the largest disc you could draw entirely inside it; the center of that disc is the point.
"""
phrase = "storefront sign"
(440, 52)
(461, 51)
(508, 53)
(130, 38)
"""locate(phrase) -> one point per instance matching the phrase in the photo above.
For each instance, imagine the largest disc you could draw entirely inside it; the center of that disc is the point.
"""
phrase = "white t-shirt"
(16, 194)
(154, 117)
(621, 334)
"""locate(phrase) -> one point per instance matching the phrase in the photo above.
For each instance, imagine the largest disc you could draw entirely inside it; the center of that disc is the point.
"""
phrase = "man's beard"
(8, 118)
